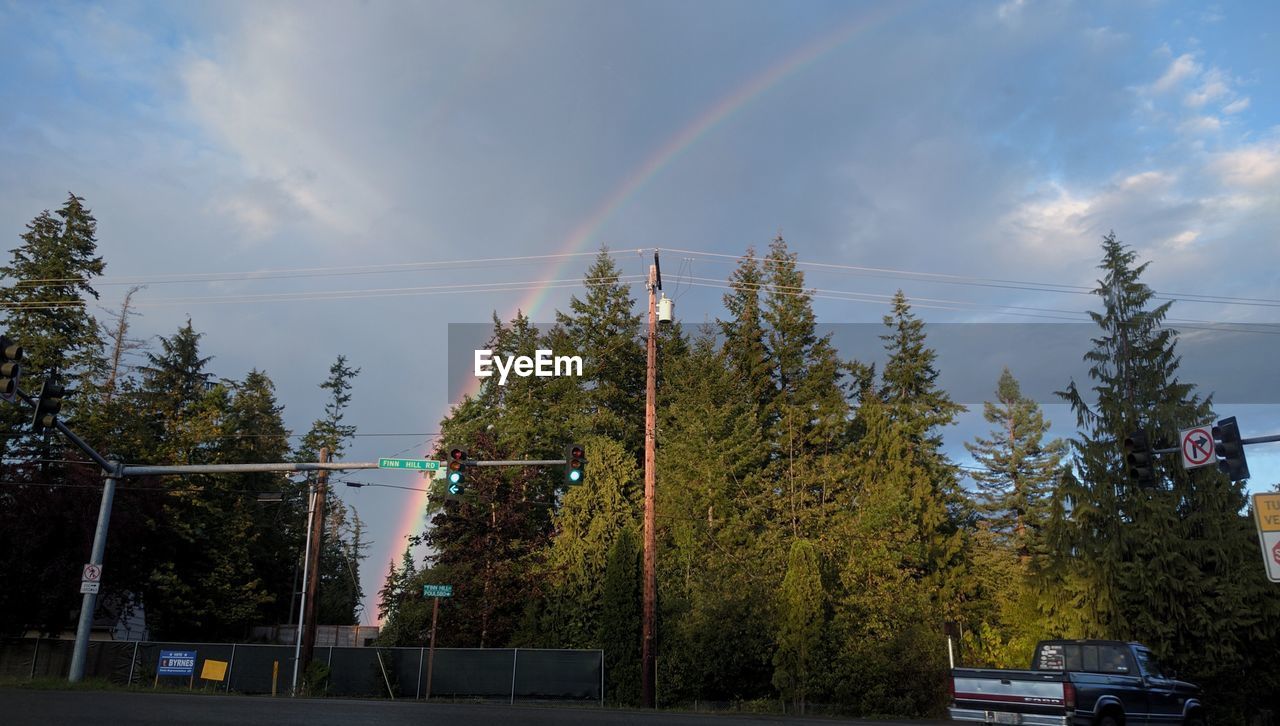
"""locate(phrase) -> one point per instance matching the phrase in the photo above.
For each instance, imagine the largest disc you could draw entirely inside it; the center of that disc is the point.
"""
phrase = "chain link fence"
(509, 674)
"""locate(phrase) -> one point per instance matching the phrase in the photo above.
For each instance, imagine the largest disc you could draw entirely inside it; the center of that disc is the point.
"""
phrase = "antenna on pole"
(657, 268)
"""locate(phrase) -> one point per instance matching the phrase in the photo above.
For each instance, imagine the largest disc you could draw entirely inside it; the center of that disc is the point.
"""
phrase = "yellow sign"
(1266, 508)
(214, 670)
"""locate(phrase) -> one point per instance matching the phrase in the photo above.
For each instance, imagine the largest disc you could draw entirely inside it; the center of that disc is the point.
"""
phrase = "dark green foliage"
(606, 330)
(800, 626)
(1174, 566)
(619, 634)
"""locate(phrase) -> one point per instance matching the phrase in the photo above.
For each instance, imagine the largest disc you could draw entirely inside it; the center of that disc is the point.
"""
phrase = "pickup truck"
(1078, 683)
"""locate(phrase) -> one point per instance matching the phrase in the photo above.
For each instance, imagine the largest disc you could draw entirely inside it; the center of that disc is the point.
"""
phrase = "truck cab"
(1078, 683)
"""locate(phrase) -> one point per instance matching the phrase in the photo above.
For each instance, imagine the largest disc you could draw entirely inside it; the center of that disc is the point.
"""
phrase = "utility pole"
(649, 625)
(313, 563)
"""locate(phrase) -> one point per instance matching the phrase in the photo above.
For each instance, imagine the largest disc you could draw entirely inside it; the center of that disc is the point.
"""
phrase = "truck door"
(1165, 706)
(1124, 680)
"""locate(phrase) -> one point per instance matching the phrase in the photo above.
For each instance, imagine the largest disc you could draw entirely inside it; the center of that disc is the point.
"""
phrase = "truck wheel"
(1195, 720)
(1107, 720)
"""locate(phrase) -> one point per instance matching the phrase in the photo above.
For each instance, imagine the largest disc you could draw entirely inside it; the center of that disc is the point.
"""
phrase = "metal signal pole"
(649, 625)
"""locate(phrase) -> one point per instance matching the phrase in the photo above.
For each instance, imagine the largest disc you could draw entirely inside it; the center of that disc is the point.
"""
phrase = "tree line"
(198, 555)
(814, 540)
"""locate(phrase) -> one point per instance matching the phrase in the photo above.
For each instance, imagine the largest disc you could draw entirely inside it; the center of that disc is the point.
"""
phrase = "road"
(50, 708)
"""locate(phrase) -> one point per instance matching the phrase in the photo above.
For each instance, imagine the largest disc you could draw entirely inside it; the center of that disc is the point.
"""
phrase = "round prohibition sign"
(1197, 446)
(92, 573)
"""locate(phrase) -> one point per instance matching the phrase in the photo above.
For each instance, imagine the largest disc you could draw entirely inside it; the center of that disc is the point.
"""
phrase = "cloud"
(1253, 167)
(1236, 106)
(1182, 68)
(1213, 87)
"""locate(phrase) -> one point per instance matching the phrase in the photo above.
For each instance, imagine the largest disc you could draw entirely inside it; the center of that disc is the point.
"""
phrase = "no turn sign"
(1197, 447)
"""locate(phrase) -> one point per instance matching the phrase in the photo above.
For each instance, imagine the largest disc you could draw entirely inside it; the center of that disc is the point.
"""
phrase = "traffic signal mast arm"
(1271, 438)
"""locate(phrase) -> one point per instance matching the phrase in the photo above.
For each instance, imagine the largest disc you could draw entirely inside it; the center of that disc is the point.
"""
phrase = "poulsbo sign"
(543, 364)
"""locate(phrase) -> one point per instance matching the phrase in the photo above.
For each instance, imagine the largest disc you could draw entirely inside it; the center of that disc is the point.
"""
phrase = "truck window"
(1051, 658)
(1115, 659)
(1149, 664)
(1089, 658)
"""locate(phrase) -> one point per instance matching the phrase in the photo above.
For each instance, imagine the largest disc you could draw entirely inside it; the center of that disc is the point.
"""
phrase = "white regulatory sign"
(1197, 447)
(89, 588)
(92, 573)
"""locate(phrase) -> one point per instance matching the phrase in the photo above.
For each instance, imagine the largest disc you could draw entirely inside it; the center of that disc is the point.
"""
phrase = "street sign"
(1266, 513)
(414, 464)
(176, 663)
(437, 590)
(89, 587)
(1196, 445)
(92, 573)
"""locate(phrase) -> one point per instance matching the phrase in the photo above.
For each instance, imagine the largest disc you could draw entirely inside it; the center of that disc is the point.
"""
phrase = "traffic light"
(10, 365)
(575, 466)
(1139, 460)
(457, 477)
(48, 404)
(1230, 449)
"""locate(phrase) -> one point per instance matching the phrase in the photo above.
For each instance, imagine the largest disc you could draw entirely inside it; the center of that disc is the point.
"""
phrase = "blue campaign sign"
(177, 663)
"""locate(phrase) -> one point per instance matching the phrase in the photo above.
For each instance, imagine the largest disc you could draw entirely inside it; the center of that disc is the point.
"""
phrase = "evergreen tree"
(329, 431)
(605, 325)
(920, 409)
(1173, 566)
(809, 412)
(801, 625)
(620, 615)
(591, 517)
(49, 279)
(1019, 468)
(744, 335)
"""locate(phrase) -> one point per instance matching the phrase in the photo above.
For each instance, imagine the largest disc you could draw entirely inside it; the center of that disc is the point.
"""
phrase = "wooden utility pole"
(313, 566)
(649, 626)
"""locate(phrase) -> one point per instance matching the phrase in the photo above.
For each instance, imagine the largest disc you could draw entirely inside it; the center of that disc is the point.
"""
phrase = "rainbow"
(654, 164)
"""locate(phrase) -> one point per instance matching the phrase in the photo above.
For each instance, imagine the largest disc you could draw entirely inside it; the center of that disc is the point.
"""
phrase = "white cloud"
(1200, 125)
(1250, 167)
(1236, 106)
(1213, 87)
(1182, 68)
(1182, 240)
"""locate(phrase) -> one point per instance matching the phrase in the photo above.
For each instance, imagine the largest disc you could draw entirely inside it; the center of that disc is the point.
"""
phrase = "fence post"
(515, 658)
(418, 694)
(134, 662)
(35, 657)
(231, 667)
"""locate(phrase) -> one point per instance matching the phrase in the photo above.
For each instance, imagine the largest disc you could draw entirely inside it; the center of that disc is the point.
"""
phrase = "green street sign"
(415, 464)
(437, 590)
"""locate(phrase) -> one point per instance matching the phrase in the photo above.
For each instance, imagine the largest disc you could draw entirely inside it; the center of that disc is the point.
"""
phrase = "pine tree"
(592, 515)
(607, 329)
(619, 630)
(809, 411)
(44, 307)
(329, 431)
(800, 625)
(1019, 467)
(1171, 566)
(744, 335)
(920, 409)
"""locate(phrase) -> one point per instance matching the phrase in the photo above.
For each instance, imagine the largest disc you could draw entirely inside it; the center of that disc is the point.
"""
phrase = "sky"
(304, 180)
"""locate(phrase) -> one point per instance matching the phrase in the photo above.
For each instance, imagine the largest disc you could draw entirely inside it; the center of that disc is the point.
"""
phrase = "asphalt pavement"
(21, 707)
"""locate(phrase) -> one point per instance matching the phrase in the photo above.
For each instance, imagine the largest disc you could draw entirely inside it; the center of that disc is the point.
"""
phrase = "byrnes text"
(543, 364)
